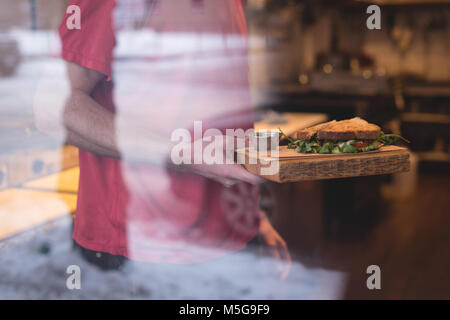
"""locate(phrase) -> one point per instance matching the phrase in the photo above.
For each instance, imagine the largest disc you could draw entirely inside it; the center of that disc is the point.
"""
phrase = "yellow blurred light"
(327, 68)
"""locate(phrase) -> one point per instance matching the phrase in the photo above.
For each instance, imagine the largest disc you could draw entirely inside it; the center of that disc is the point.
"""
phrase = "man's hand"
(227, 174)
(276, 246)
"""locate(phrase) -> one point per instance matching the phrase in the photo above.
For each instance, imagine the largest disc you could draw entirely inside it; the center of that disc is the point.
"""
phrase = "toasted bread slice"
(355, 128)
(308, 133)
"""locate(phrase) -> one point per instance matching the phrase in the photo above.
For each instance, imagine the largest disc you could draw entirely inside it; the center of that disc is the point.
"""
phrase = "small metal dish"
(264, 141)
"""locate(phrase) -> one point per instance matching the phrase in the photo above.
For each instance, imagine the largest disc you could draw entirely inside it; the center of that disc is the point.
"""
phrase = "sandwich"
(347, 136)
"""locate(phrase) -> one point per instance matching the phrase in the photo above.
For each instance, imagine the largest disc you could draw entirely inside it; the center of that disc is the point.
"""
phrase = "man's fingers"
(244, 175)
(275, 253)
(286, 259)
(281, 254)
(285, 273)
(283, 248)
(278, 249)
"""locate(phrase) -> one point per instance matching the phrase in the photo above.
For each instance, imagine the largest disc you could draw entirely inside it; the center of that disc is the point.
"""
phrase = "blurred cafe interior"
(310, 61)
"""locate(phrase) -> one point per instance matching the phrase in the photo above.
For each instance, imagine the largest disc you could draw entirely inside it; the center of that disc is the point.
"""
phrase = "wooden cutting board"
(291, 166)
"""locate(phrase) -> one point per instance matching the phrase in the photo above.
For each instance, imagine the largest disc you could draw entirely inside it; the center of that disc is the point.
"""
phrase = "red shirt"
(150, 213)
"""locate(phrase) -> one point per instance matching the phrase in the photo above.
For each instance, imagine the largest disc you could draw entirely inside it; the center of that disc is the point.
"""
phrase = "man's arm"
(88, 125)
(82, 143)
(67, 120)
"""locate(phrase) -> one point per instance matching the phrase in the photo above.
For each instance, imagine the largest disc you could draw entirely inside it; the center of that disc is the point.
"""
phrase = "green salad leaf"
(326, 148)
(349, 148)
(330, 147)
(389, 139)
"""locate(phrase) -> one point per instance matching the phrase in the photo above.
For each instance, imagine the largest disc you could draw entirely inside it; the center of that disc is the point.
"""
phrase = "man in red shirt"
(130, 205)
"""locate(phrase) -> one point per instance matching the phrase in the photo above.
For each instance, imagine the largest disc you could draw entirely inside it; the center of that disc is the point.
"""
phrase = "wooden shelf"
(425, 117)
(437, 156)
